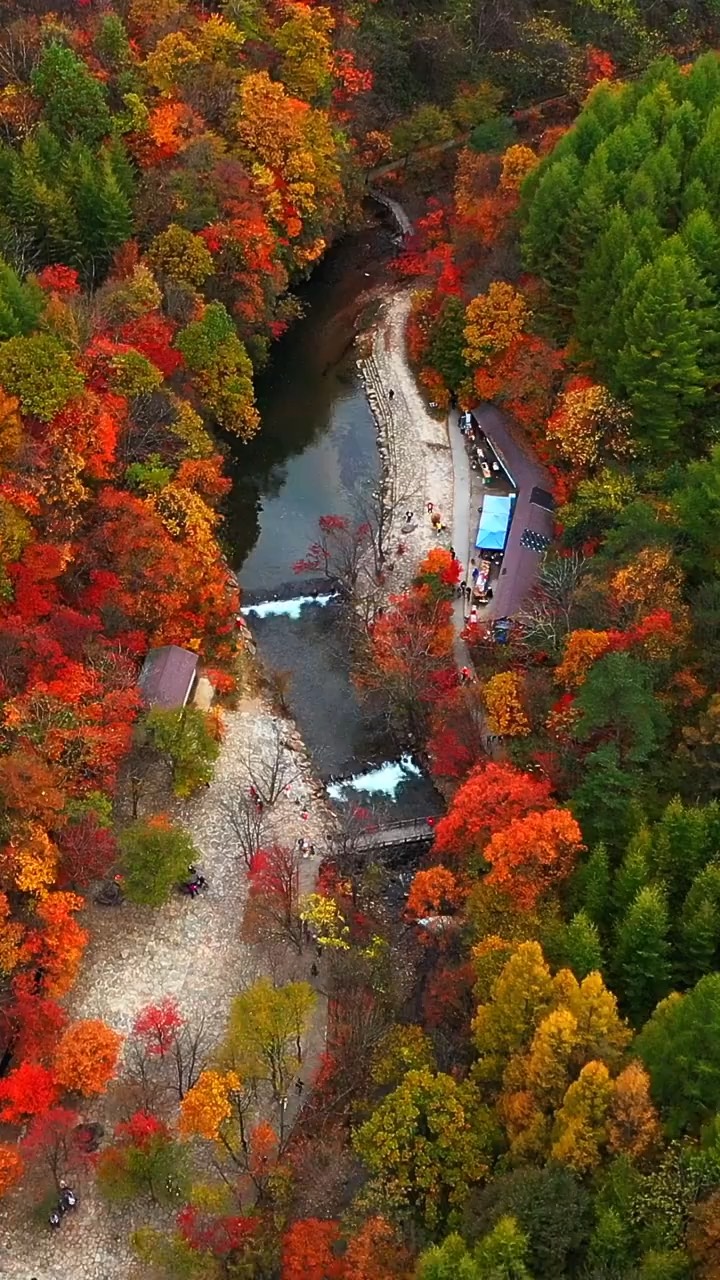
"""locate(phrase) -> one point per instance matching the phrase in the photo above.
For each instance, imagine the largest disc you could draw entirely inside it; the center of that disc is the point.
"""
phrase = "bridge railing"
(383, 833)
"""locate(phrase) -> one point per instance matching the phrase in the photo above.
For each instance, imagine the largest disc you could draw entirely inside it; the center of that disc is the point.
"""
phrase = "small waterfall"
(286, 608)
(384, 780)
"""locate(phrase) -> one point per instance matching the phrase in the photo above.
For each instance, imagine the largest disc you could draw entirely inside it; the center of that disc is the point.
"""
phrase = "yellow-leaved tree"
(494, 320)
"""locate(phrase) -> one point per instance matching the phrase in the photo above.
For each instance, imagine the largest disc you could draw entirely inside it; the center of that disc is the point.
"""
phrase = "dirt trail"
(189, 950)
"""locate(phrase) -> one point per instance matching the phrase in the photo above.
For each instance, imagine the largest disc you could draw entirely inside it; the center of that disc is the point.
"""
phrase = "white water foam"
(382, 781)
(285, 608)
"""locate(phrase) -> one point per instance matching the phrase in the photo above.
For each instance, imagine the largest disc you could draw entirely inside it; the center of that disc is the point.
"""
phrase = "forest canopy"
(520, 1075)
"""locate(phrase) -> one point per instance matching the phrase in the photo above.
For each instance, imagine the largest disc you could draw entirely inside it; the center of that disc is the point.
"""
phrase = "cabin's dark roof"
(541, 498)
(167, 676)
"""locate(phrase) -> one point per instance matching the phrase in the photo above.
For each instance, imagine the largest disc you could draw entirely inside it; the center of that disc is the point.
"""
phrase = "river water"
(315, 454)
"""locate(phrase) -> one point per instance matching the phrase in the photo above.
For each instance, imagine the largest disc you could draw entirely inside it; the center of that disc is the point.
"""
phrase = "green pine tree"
(451, 1260)
(599, 284)
(681, 847)
(610, 340)
(660, 366)
(697, 503)
(699, 929)
(702, 85)
(642, 954)
(605, 800)
(74, 101)
(680, 1046)
(702, 162)
(663, 170)
(447, 343)
(698, 941)
(584, 227)
(502, 1253)
(694, 195)
(21, 304)
(617, 698)
(543, 238)
(103, 209)
(581, 946)
(632, 875)
(591, 887)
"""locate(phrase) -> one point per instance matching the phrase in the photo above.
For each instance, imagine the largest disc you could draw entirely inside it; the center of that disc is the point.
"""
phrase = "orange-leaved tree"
(653, 580)
(435, 891)
(87, 1056)
(533, 854)
(581, 649)
(11, 1167)
(517, 162)
(490, 799)
(208, 1105)
(12, 933)
(588, 424)
(59, 944)
(633, 1124)
(309, 1250)
(376, 1252)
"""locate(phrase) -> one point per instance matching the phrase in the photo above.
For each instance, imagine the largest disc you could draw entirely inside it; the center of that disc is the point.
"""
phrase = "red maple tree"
(491, 798)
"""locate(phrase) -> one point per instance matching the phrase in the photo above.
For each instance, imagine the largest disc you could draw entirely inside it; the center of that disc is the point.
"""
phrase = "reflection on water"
(316, 449)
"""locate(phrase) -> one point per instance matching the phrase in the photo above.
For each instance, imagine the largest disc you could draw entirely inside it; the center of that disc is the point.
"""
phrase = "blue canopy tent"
(494, 523)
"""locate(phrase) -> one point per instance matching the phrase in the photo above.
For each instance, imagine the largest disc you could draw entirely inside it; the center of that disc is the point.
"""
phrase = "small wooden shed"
(168, 677)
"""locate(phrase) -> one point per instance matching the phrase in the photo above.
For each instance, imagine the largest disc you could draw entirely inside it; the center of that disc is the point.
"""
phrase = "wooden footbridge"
(410, 831)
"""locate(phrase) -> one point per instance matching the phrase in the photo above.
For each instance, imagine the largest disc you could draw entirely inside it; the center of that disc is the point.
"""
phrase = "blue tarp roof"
(494, 523)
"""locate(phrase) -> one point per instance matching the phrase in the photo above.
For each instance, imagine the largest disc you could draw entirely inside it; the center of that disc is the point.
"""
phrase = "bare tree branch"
(247, 821)
(271, 770)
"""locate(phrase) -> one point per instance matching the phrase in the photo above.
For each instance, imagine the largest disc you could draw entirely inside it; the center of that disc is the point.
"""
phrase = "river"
(315, 454)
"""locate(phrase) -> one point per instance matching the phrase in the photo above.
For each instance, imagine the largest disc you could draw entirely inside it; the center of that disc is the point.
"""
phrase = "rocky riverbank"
(414, 446)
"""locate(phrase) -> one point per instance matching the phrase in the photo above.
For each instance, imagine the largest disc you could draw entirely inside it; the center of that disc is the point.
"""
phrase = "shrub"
(493, 135)
(146, 1162)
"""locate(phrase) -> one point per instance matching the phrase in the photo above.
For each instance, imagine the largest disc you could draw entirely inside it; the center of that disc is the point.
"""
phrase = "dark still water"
(315, 455)
(316, 448)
